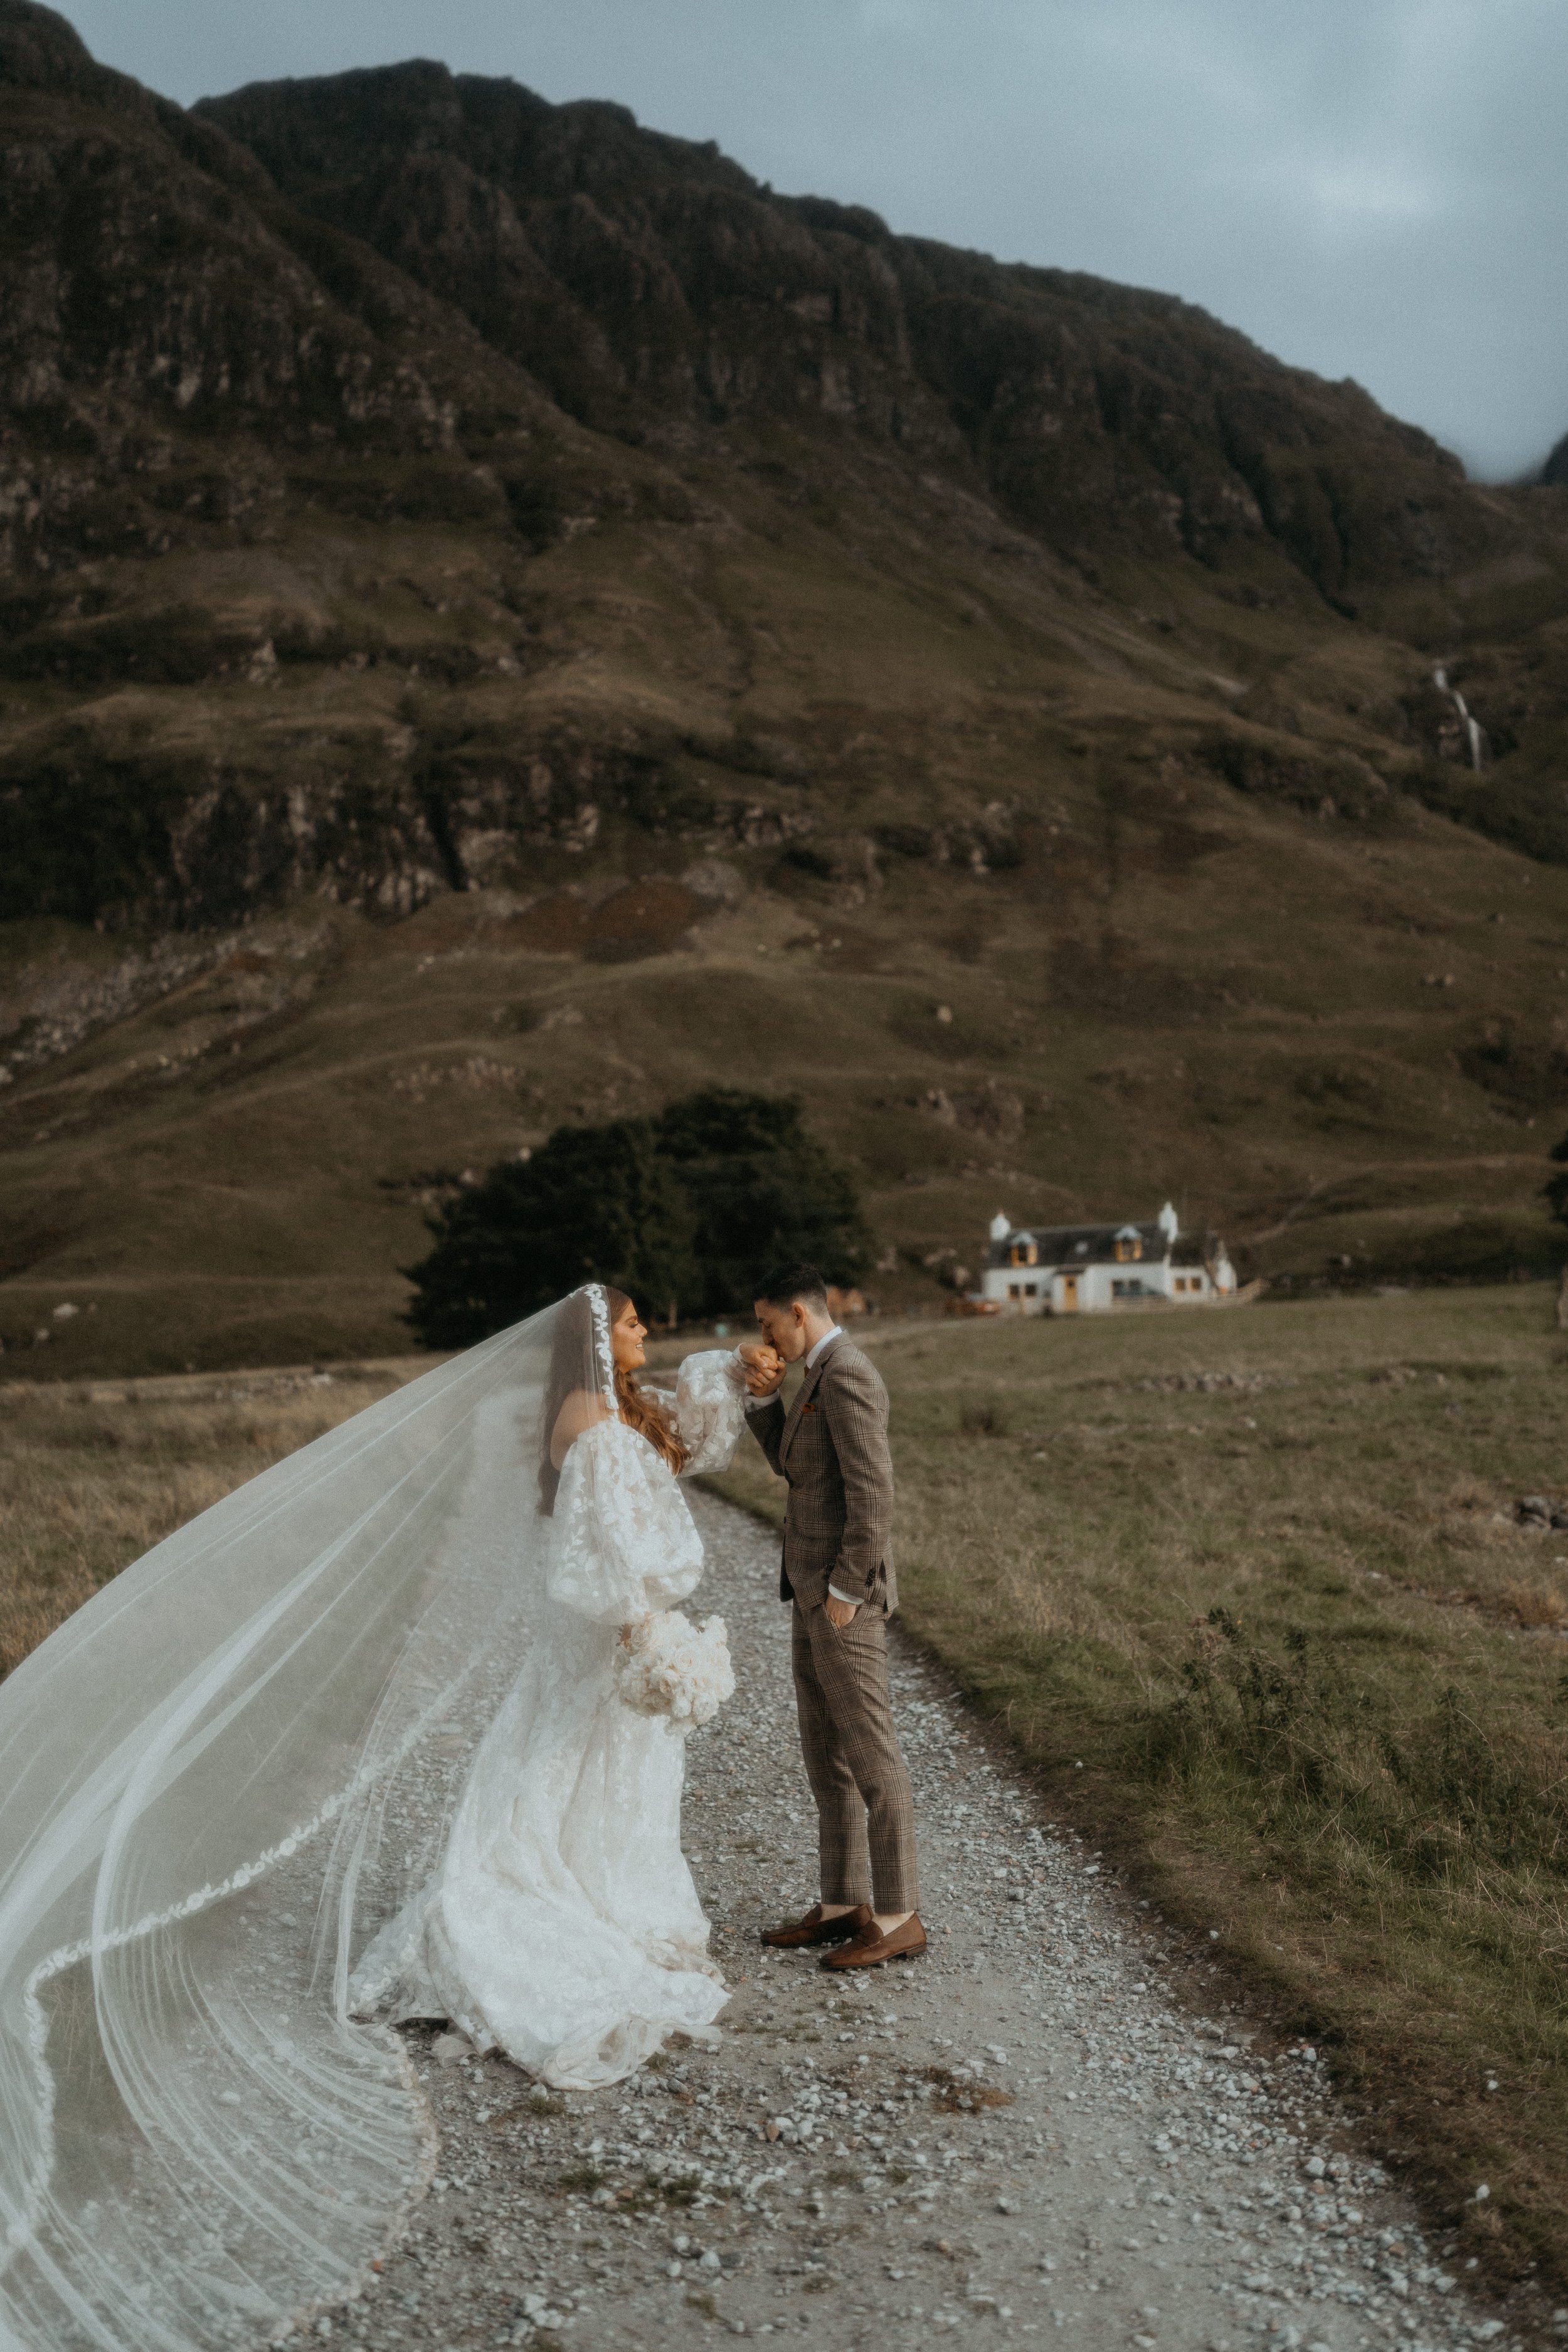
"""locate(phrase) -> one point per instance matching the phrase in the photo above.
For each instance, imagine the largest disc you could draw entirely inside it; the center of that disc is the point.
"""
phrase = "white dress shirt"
(812, 1354)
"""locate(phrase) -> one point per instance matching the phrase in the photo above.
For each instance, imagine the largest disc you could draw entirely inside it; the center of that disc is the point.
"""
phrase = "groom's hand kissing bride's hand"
(765, 1370)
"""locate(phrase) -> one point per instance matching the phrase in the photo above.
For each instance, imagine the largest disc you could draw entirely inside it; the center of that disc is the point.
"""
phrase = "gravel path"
(1025, 2133)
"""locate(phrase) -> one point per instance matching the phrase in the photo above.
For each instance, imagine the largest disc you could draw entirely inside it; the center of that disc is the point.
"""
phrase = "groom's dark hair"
(786, 1284)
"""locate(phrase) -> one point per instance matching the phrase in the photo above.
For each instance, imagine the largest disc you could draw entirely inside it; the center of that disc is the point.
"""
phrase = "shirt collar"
(826, 1341)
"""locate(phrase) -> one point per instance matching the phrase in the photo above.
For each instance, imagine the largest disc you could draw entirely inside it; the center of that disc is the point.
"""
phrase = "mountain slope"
(647, 281)
(503, 619)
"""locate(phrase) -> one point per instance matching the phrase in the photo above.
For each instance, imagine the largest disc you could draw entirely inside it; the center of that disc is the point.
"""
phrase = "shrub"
(593, 1204)
(761, 1190)
(680, 1210)
(1319, 782)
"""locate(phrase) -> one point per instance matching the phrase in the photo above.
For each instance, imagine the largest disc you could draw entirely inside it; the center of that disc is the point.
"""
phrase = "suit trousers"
(865, 1807)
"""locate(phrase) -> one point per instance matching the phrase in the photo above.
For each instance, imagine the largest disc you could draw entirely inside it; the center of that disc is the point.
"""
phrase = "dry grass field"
(1247, 1589)
(92, 1476)
(1244, 1587)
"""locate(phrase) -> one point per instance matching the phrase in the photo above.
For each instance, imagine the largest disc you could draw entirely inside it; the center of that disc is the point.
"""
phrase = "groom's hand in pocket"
(840, 1612)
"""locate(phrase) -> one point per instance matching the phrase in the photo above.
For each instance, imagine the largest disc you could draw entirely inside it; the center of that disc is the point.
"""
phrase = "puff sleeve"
(623, 1544)
(711, 1408)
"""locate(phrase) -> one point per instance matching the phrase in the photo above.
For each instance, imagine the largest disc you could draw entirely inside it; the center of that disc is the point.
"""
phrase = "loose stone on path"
(1025, 2133)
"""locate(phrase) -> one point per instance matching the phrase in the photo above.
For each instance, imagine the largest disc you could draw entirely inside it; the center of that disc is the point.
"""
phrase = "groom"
(837, 1574)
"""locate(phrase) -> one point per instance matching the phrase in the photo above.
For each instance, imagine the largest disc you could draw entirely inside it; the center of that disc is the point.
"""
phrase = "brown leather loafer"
(815, 1929)
(868, 1946)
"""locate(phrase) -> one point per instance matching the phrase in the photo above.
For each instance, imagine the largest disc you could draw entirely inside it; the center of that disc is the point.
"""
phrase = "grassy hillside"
(1335, 1035)
(1246, 1589)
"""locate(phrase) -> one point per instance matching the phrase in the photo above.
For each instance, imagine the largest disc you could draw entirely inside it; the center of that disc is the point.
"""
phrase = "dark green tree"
(688, 1208)
(761, 1189)
(593, 1204)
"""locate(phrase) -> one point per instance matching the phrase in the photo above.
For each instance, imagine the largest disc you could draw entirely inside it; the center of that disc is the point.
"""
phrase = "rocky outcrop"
(438, 315)
(630, 272)
(98, 828)
(645, 279)
(170, 331)
(101, 826)
(371, 258)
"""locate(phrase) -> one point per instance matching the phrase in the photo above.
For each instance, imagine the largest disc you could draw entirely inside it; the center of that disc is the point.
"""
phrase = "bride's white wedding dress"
(388, 1664)
(562, 1923)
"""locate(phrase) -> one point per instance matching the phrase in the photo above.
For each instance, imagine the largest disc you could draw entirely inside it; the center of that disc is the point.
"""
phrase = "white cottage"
(1090, 1269)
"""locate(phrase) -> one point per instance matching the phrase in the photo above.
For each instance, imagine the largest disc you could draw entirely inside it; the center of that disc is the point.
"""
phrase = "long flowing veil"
(220, 1776)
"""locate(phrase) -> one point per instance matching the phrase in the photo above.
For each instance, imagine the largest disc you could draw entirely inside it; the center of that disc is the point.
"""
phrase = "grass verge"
(1248, 1593)
(91, 1477)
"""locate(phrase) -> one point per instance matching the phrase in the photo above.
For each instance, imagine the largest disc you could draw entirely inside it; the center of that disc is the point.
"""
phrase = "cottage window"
(1026, 1253)
(1031, 1290)
(1127, 1252)
(1012, 1290)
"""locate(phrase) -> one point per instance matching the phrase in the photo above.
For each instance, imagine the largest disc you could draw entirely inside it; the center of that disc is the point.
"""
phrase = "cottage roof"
(1070, 1246)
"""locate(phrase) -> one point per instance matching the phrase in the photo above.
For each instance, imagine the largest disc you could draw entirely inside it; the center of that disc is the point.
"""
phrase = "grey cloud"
(1372, 188)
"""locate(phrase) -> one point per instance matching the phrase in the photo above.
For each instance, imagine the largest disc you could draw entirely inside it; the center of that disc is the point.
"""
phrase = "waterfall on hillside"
(1475, 733)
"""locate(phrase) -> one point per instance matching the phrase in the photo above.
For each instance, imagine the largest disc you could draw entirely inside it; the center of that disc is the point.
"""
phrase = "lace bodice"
(621, 1541)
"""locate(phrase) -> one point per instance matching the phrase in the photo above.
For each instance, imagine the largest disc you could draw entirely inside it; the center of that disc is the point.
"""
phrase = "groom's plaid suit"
(832, 1448)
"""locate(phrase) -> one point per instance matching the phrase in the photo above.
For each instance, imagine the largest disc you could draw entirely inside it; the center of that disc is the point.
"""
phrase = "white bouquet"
(667, 1665)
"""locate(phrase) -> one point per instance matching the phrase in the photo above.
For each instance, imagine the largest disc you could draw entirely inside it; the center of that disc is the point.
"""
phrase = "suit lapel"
(807, 1390)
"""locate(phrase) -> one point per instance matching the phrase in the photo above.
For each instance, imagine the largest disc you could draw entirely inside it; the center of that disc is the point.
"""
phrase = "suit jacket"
(832, 1448)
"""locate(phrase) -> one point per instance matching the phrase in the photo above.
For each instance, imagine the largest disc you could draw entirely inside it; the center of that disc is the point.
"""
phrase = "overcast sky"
(1371, 188)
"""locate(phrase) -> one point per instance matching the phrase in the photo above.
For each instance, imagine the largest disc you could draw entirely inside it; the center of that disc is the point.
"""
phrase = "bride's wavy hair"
(571, 1350)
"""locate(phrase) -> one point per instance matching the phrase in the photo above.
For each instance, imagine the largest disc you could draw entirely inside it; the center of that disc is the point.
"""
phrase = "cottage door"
(1070, 1293)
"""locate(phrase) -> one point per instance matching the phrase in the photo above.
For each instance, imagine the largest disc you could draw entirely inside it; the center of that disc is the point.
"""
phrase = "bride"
(377, 1736)
(562, 1923)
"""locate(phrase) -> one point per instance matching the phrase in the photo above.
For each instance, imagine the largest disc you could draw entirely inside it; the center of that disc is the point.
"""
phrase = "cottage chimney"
(1001, 1225)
